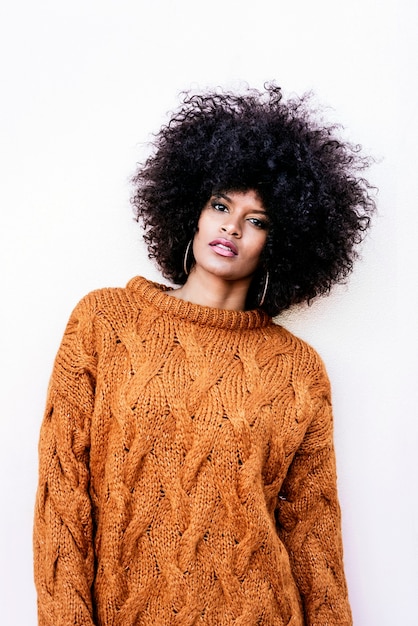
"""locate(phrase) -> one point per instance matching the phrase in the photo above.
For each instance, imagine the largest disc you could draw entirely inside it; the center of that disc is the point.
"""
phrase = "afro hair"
(308, 179)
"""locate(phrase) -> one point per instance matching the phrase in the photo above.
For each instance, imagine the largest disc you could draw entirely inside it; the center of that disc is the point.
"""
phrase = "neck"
(214, 291)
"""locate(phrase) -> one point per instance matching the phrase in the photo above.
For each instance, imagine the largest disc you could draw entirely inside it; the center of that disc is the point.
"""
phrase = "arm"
(309, 520)
(63, 550)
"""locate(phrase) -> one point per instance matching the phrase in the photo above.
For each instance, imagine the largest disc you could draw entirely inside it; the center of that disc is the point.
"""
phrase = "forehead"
(247, 196)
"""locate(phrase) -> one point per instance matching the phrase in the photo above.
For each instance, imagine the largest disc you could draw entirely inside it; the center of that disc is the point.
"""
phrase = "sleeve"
(63, 548)
(309, 519)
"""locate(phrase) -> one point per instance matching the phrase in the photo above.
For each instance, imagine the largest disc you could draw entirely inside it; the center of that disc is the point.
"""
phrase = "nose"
(231, 227)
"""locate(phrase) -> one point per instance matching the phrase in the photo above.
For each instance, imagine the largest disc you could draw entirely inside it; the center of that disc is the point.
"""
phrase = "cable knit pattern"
(187, 472)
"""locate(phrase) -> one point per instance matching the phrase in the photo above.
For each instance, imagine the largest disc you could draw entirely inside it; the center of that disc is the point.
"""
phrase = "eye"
(218, 206)
(262, 224)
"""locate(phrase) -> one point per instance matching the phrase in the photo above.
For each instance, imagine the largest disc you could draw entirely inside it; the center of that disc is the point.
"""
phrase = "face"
(232, 232)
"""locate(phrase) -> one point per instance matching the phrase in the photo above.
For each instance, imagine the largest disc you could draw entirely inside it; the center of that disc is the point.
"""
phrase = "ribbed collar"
(156, 295)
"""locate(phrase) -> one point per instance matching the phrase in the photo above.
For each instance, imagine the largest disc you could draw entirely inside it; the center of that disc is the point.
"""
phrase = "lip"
(224, 247)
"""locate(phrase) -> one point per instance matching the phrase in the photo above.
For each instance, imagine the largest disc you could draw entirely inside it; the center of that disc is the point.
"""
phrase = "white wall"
(83, 84)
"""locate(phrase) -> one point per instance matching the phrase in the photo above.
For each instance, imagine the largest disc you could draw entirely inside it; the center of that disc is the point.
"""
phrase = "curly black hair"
(308, 179)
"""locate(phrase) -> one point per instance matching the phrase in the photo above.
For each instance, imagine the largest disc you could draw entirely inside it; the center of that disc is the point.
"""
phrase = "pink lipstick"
(224, 247)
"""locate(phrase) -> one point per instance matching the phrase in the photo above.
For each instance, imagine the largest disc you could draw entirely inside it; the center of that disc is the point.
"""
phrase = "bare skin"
(232, 232)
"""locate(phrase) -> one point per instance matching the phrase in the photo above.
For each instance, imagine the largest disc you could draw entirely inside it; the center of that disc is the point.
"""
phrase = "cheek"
(259, 245)
(198, 239)
(202, 223)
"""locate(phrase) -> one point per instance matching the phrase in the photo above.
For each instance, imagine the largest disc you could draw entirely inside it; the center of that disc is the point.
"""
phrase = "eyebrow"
(228, 199)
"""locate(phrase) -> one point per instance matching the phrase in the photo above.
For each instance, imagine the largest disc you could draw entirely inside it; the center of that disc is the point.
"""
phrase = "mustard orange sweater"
(187, 472)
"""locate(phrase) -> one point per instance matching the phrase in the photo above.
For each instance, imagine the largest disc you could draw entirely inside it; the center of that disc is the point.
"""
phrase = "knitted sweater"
(187, 472)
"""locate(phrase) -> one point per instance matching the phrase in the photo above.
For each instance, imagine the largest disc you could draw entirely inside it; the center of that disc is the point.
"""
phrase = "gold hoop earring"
(266, 284)
(186, 254)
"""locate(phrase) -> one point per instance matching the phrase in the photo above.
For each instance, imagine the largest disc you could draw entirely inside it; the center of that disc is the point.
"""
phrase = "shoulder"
(112, 307)
(293, 344)
(108, 301)
(306, 364)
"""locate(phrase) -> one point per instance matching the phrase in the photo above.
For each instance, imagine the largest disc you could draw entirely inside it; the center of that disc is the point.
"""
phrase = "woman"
(187, 471)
